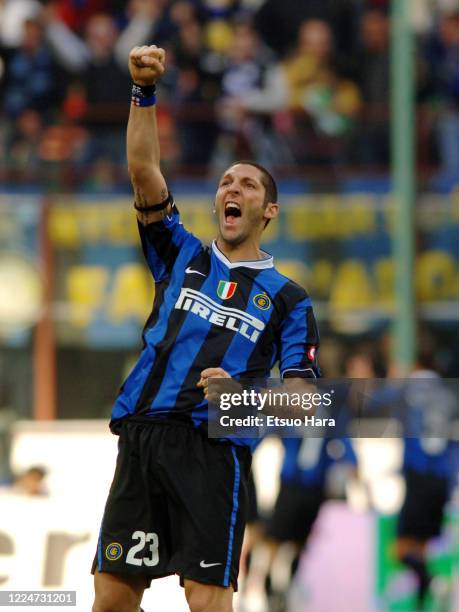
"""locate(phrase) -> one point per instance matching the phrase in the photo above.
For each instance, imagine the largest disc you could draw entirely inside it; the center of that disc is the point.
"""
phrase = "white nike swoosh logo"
(191, 271)
(204, 564)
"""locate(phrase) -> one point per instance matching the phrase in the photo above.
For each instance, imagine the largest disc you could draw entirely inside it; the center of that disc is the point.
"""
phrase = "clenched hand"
(146, 64)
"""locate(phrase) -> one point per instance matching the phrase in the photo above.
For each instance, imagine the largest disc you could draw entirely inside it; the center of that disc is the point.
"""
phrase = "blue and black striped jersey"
(307, 460)
(210, 312)
(426, 407)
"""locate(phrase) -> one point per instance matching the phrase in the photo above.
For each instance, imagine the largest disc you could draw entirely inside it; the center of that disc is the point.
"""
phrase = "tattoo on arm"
(141, 201)
(139, 197)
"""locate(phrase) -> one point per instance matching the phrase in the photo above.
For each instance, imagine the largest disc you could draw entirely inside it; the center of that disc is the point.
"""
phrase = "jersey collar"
(257, 264)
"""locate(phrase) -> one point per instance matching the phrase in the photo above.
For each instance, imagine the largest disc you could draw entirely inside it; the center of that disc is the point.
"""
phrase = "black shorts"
(421, 515)
(177, 505)
(295, 512)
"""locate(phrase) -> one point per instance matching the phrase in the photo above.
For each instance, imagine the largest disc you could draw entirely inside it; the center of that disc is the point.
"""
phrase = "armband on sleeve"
(156, 207)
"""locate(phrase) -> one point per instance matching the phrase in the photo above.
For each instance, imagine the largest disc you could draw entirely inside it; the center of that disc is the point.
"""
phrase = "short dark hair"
(266, 178)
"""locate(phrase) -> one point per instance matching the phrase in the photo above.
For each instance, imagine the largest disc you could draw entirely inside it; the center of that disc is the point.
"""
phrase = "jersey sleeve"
(167, 242)
(299, 343)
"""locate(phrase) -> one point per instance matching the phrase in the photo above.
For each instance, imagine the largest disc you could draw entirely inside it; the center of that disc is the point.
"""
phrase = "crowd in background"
(292, 84)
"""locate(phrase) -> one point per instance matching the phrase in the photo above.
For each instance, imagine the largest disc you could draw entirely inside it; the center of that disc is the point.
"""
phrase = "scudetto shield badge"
(226, 289)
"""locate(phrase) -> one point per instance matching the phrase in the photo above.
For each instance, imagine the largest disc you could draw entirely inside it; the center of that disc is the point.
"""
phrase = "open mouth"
(232, 211)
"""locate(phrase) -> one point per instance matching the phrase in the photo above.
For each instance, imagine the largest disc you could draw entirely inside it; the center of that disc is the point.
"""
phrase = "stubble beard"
(234, 240)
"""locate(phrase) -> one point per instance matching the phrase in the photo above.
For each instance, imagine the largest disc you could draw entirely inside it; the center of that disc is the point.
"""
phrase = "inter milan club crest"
(262, 301)
(226, 289)
(113, 551)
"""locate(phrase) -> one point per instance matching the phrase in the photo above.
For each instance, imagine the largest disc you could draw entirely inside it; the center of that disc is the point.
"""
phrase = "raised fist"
(146, 64)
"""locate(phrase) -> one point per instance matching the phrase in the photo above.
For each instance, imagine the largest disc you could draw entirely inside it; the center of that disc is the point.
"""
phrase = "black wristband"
(145, 90)
(156, 207)
(143, 95)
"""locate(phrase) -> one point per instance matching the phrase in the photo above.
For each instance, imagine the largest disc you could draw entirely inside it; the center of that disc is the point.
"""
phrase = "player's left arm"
(299, 343)
(298, 349)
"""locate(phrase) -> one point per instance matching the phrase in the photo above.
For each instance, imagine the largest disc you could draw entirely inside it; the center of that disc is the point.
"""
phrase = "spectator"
(74, 55)
(278, 22)
(77, 13)
(68, 50)
(23, 148)
(197, 87)
(31, 81)
(106, 113)
(143, 17)
(175, 16)
(252, 90)
(373, 76)
(443, 58)
(13, 14)
(324, 104)
(101, 38)
(218, 30)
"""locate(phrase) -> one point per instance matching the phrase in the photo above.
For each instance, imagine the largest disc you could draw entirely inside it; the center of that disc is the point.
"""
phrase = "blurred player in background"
(304, 474)
(178, 503)
(426, 469)
(426, 408)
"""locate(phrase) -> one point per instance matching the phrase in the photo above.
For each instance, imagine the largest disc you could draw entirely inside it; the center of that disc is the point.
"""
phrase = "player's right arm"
(146, 65)
(165, 242)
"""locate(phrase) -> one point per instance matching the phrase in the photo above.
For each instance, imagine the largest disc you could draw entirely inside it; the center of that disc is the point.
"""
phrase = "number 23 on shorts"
(144, 538)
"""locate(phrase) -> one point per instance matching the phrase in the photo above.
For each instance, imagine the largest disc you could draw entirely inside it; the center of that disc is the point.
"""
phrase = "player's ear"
(271, 211)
